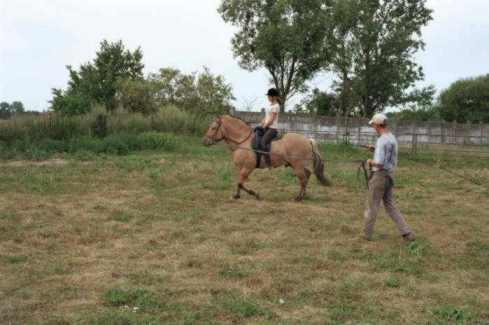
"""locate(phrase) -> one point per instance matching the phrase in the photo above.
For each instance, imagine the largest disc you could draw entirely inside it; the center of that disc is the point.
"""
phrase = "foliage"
(114, 144)
(466, 100)
(421, 108)
(137, 96)
(120, 133)
(202, 93)
(342, 59)
(417, 114)
(319, 103)
(9, 109)
(374, 42)
(96, 82)
(286, 37)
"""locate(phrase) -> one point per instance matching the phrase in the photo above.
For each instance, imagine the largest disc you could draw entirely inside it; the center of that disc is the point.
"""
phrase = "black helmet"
(273, 92)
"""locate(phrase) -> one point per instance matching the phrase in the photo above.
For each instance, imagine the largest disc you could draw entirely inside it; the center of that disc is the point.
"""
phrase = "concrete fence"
(444, 135)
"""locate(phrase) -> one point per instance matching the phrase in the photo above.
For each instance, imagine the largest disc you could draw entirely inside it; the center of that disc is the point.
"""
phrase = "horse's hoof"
(236, 197)
(299, 199)
(258, 197)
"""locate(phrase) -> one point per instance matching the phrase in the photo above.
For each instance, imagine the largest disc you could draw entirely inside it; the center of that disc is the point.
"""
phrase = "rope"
(363, 166)
(472, 180)
(295, 157)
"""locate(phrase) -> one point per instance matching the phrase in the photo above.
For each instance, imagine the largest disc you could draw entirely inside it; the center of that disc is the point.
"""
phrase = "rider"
(270, 122)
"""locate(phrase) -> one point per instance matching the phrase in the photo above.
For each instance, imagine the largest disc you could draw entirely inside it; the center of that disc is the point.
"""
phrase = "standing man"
(381, 183)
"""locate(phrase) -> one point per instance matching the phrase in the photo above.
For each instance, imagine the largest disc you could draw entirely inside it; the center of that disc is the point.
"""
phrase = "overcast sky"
(38, 38)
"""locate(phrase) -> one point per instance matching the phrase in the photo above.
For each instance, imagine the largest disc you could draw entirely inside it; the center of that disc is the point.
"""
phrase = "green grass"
(152, 236)
(392, 282)
(39, 138)
(450, 314)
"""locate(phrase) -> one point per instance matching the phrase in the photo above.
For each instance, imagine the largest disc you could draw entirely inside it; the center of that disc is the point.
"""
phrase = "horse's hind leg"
(303, 175)
(243, 177)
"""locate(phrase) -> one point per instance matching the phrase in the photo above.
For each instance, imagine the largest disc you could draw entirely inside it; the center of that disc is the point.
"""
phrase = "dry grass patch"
(156, 238)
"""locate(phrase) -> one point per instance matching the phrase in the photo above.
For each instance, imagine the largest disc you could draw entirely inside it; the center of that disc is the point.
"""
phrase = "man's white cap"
(378, 119)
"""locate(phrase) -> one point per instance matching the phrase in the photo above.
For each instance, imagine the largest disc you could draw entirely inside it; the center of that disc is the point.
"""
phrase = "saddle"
(256, 144)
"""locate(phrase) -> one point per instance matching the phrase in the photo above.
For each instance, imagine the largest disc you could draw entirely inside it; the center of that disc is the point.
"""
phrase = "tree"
(9, 109)
(466, 100)
(17, 107)
(286, 37)
(4, 110)
(422, 114)
(374, 44)
(420, 107)
(137, 96)
(319, 103)
(96, 82)
(202, 93)
(341, 40)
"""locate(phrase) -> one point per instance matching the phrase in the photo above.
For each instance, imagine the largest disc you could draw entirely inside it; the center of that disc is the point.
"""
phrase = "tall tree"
(9, 109)
(375, 45)
(286, 37)
(4, 110)
(200, 93)
(345, 16)
(319, 103)
(97, 81)
(17, 107)
(466, 100)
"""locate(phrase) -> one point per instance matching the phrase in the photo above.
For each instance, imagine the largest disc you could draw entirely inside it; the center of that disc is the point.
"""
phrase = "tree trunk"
(282, 106)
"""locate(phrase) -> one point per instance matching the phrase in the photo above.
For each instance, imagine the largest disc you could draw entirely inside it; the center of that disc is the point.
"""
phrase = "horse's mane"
(237, 118)
(236, 128)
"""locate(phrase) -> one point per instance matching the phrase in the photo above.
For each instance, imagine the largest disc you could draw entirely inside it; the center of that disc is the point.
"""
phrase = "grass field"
(155, 238)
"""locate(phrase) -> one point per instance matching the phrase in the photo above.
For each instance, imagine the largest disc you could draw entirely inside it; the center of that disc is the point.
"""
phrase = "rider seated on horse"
(270, 122)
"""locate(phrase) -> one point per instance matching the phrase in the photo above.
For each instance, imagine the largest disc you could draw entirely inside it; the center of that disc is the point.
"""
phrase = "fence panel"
(472, 138)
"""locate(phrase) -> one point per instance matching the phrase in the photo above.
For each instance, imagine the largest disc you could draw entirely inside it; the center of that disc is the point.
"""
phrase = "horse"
(292, 150)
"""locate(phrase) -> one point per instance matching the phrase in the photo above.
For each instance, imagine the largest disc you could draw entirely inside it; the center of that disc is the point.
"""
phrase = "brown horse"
(293, 150)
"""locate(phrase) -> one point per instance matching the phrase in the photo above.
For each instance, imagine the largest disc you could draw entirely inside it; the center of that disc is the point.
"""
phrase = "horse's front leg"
(243, 177)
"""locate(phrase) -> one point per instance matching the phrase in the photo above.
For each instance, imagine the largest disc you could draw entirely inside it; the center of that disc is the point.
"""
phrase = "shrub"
(98, 132)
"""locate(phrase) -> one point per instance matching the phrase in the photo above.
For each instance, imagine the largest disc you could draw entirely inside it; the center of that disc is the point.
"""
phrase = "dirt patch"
(26, 163)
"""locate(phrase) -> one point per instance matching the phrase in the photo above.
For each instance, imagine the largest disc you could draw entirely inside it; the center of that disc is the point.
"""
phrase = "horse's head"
(214, 133)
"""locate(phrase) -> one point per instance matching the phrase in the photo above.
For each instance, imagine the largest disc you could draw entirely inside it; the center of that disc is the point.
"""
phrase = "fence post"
(455, 131)
(481, 126)
(346, 135)
(338, 119)
(443, 132)
(414, 140)
(467, 128)
(359, 134)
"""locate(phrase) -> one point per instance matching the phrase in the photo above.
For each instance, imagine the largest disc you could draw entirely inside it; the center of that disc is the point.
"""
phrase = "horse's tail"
(319, 165)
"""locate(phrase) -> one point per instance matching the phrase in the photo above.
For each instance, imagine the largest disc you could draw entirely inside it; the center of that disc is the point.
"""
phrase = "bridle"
(219, 126)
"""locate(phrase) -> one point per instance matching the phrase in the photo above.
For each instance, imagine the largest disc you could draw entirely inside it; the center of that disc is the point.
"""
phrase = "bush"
(117, 133)
(198, 93)
(466, 100)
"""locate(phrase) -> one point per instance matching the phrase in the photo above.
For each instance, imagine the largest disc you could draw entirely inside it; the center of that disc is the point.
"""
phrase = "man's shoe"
(409, 237)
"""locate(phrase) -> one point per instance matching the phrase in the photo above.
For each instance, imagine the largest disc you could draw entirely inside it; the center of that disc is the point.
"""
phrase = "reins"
(228, 138)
